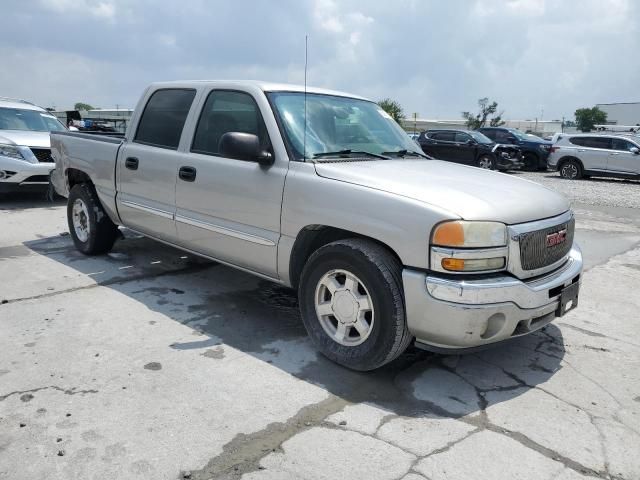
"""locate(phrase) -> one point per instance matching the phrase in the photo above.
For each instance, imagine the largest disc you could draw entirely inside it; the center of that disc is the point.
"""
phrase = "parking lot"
(151, 363)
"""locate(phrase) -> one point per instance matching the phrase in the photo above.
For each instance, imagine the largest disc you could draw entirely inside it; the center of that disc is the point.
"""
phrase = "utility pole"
(415, 122)
(562, 126)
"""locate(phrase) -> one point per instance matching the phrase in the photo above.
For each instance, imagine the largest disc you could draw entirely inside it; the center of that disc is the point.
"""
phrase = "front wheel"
(486, 162)
(91, 229)
(352, 304)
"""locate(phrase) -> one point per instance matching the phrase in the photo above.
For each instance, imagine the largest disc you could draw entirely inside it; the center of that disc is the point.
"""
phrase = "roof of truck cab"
(19, 104)
(264, 86)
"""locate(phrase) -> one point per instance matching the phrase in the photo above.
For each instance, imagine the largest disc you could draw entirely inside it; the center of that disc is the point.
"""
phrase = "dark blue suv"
(535, 150)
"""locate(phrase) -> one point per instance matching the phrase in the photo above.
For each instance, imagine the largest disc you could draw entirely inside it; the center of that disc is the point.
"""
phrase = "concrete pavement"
(149, 363)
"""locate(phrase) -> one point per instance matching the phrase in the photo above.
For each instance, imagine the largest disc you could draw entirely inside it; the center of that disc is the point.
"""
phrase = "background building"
(621, 113)
(118, 118)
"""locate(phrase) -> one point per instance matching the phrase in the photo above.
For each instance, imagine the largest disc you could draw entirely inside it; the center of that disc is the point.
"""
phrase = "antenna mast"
(304, 141)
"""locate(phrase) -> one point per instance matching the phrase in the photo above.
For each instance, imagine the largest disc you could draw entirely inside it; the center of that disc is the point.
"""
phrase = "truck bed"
(94, 155)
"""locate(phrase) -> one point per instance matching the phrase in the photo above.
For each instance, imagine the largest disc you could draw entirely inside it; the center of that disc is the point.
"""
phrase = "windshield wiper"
(404, 153)
(347, 153)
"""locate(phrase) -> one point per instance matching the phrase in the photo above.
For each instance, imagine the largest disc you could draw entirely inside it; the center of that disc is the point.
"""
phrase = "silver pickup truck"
(323, 192)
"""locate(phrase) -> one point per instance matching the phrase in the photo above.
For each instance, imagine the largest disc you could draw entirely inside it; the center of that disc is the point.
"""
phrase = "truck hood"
(26, 138)
(468, 192)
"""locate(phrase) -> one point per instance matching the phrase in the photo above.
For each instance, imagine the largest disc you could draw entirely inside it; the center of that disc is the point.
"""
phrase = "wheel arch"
(75, 176)
(312, 237)
(566, 158)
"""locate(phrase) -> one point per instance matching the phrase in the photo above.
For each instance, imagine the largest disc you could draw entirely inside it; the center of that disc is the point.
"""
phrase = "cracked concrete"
(148, 363)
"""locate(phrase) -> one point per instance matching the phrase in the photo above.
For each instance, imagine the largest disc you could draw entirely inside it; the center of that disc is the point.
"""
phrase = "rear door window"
(592, 142)
(443, 136)
(163, 118)
(489, 133)
(502, 137)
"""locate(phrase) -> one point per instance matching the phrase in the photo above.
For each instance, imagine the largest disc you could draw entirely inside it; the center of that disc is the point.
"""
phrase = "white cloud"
(436, 58)
(96, 8)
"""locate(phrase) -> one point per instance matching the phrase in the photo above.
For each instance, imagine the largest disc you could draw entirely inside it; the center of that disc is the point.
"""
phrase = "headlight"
(472, 264)
(10, 151)
(465, 234)
(17, 152)
(469, 247)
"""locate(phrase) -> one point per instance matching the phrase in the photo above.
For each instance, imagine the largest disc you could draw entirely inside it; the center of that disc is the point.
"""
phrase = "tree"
(480, 119)
(393, 108)
(586, 118)
(82, 106)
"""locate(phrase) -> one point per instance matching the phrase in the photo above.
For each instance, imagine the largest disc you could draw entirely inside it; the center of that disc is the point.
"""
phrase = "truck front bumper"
(448, 315)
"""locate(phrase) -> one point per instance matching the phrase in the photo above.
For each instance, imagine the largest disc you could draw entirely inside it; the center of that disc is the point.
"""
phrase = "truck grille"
(535, 252)
(43, 154)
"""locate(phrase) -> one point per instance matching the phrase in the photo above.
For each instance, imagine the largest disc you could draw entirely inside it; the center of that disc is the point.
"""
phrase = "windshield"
(337, 124)
(33, 120)
(480, 138)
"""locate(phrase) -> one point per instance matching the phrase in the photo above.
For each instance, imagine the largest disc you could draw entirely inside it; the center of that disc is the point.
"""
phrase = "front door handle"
(131, 163)
(188, 174)
(614, 154)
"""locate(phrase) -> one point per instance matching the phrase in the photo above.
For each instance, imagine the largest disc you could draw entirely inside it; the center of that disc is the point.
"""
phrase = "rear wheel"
(571, 170)
(91, 229)
(352, 304)
(486, 162)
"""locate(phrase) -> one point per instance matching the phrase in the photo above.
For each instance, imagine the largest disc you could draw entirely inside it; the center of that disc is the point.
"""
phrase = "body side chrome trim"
(208, 257)
(147, 209)
(225, 231)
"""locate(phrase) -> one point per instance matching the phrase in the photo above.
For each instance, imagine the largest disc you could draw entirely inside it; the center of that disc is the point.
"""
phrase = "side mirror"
(635, 150)
(471, 141)
(512, 140)
(244, 146)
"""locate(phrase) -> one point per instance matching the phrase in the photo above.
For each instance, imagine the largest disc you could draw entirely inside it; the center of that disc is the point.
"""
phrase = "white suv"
(25, 151)
(586, 155)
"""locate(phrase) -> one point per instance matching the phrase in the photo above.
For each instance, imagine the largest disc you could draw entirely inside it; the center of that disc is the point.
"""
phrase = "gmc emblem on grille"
(556, 238)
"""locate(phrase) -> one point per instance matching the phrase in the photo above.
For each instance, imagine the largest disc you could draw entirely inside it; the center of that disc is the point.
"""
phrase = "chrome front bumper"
(448, 314)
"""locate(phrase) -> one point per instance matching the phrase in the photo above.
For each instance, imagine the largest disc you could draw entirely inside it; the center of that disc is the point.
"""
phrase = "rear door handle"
(614, 154)
(188, 174)
(131, 163)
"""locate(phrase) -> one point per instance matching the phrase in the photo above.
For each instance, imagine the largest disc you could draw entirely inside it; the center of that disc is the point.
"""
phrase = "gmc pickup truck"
(323, 192)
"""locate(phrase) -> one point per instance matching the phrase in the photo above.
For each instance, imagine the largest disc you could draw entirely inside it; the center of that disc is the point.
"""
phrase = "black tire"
(530, 161)
(486, 160)
(381, 275)
(570, 169)
(101, 231)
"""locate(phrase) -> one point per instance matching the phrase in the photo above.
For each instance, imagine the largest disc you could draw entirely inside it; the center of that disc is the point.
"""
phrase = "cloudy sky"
(435, 57)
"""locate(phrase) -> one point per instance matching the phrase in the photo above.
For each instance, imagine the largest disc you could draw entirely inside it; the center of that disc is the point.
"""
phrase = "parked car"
(535, 150)
(322, 191)
(470, 148)
(591, 155)
(25, 153)
(413, 135)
